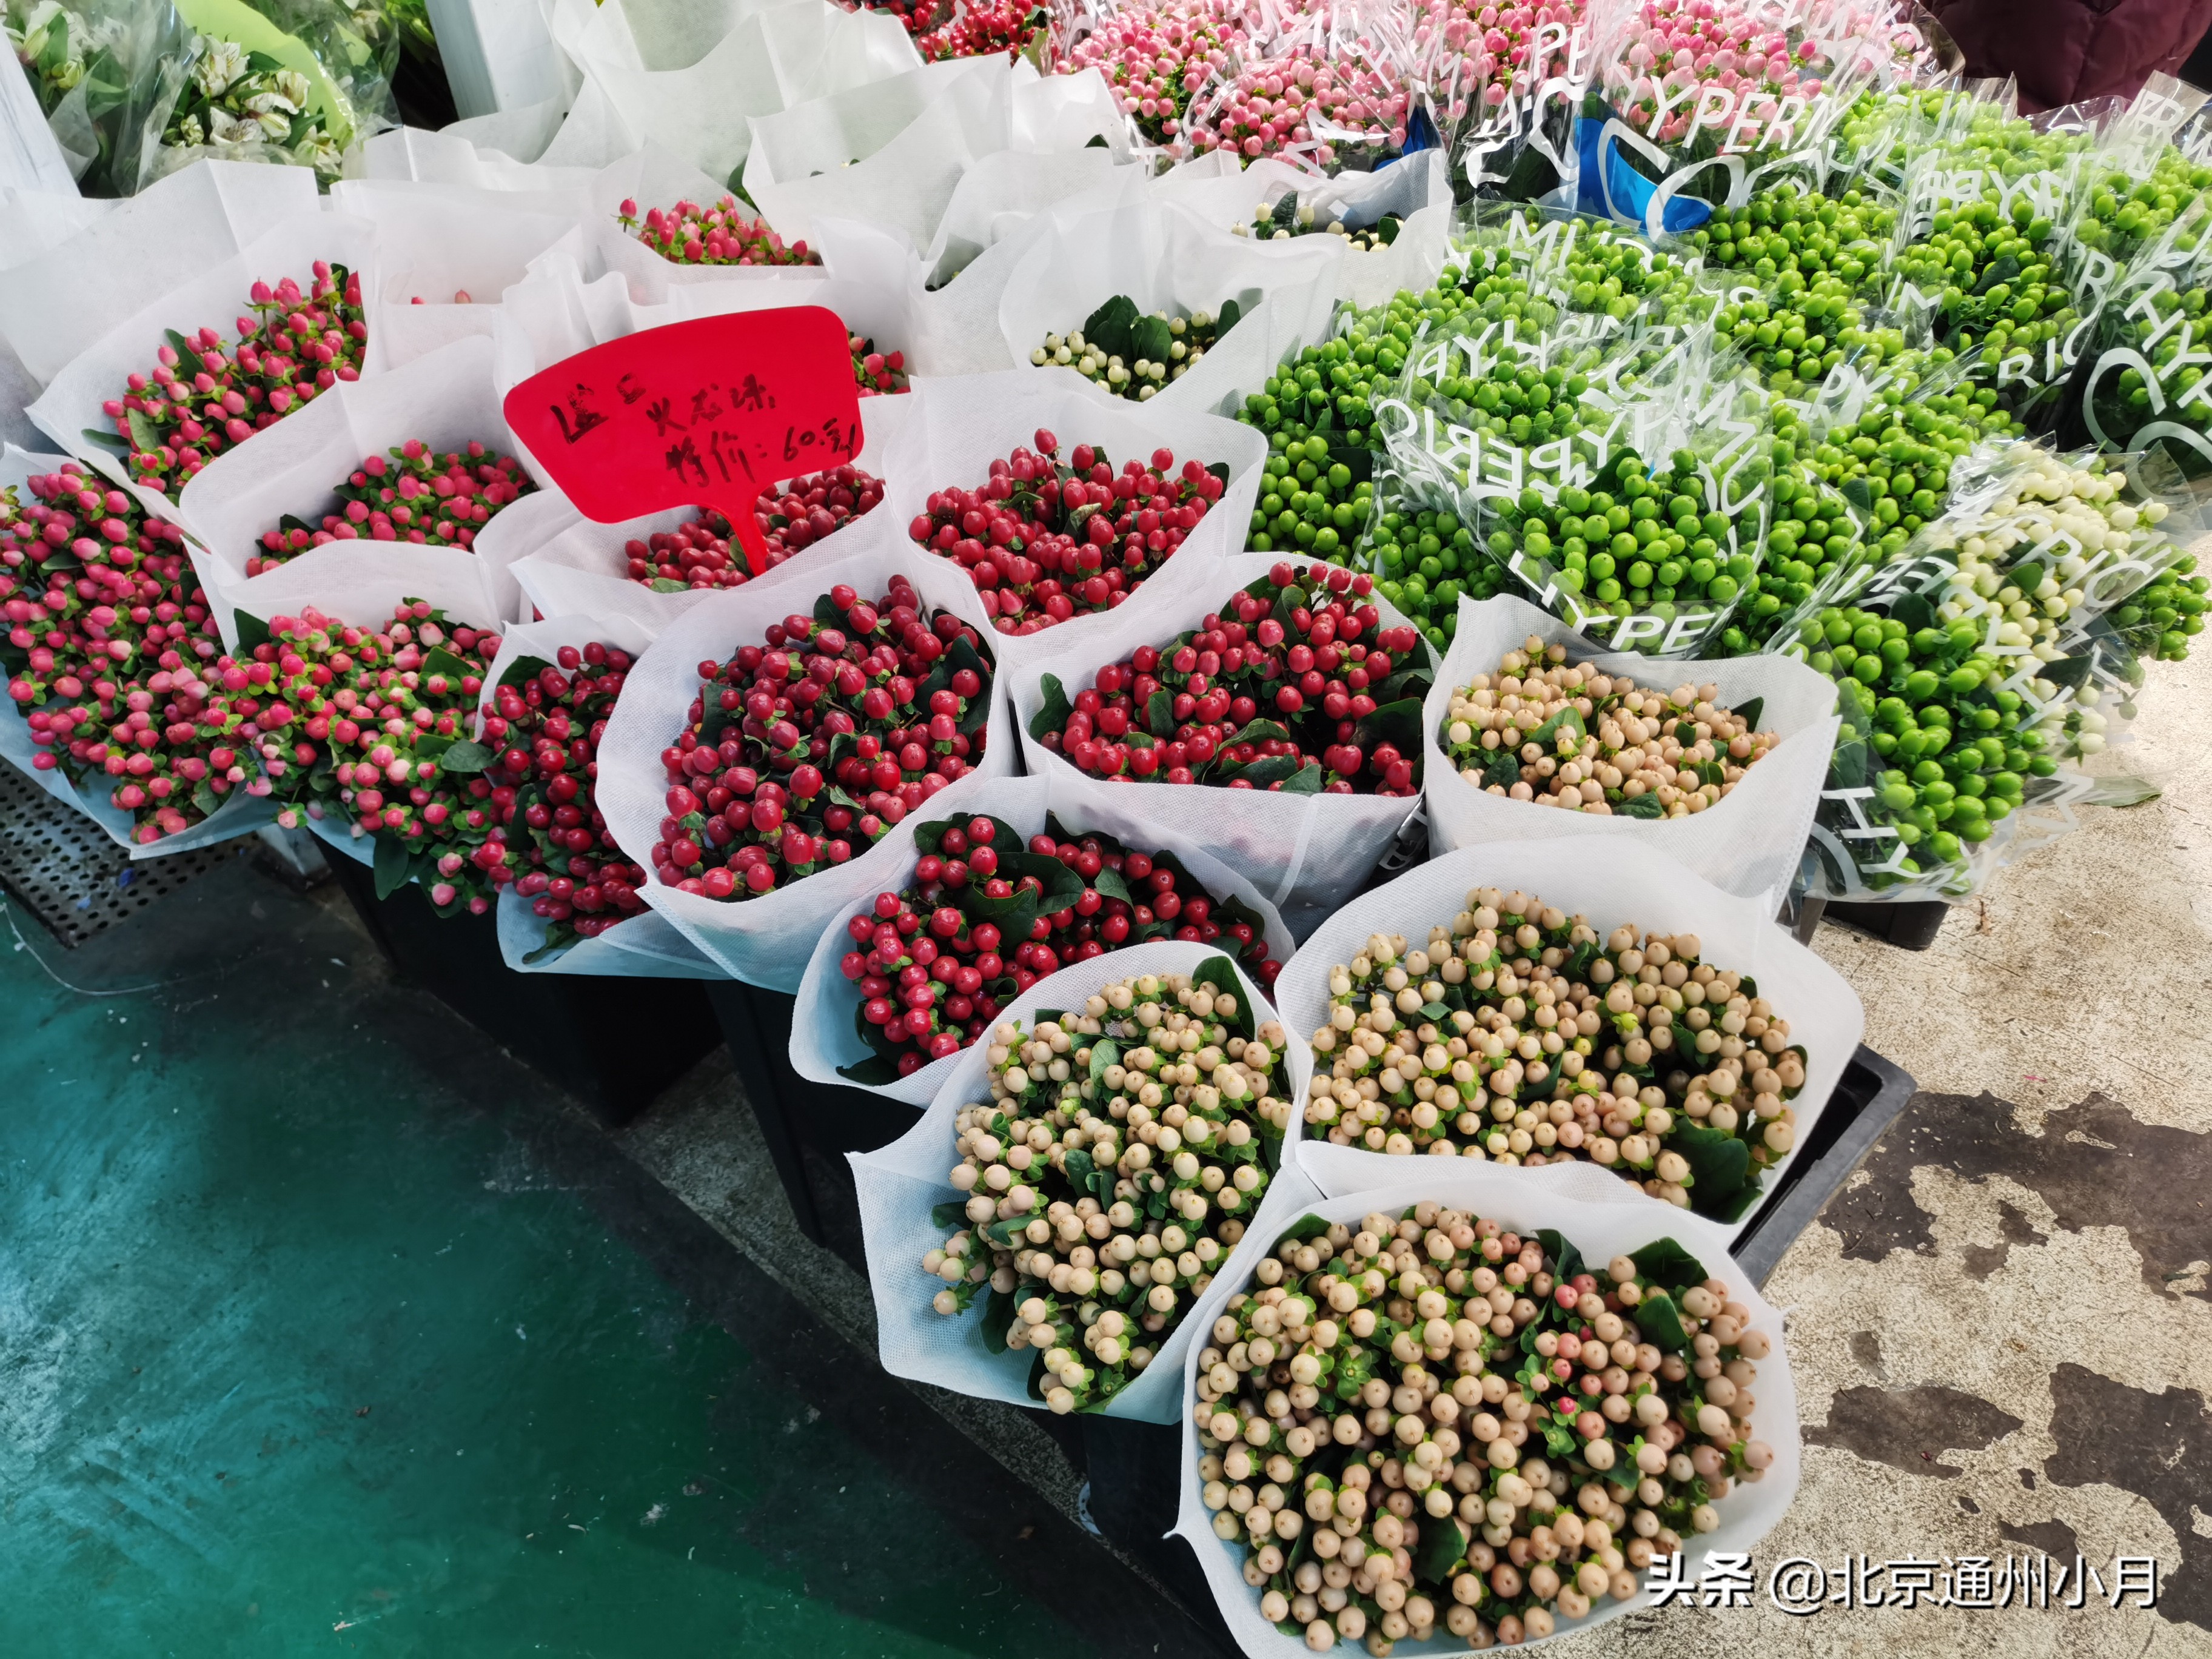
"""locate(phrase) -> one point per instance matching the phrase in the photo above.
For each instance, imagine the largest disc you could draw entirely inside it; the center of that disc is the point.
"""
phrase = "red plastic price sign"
(705, 413)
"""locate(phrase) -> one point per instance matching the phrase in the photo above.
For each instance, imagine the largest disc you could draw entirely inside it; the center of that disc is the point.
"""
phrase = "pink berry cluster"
(114, 661)
(415, 495)
(1157, 59)
(1272, 104)
(198, 400)
(1493, 42)
(689, 234)
(792, 516)
(978, 31)
(878, 373)
(1672, 49)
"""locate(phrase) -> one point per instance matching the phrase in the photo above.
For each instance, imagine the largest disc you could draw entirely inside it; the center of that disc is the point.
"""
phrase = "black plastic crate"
(614, 1043)
(1910, 925)
(809, 1127)
(1868, 1098)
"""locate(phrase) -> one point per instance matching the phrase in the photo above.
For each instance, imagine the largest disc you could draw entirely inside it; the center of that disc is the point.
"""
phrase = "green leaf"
(1103, 1053)
(1150, 337)
(1159, 713)
(1398, 723)
(1221, 973)
(1442, 1547)
(1667, 1264)
(1268, 768)
(1053, 708)
(1284, 214)
(1855, 491)
(1258, 730)
(393, 866)
(1624, 1473)
(1639, 806)
(1359, 462)
(1570, 717)
(1748, 713)
(1720, 1169)
(1660, 1322)
(1309, 780)
(1111, 886)
(1220, 470)
(251, 631)
(143, 435)
(523, 670)
(1433, 1011)
(950, 1216)
(1711, 772)
(438, 660)
(1915, 611)
(668, 585)
(464, 757)
(1226, 318)
(1110, 328)
(1567, 1260)
(188, 358)
(114, 442)
(1502, 767)
(997, 1319)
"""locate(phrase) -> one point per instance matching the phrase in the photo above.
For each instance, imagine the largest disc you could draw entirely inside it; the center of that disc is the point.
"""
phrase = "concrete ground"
(2000, 1330)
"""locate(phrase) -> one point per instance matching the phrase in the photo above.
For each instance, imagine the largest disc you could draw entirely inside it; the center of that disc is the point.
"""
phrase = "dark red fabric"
(2064, 50)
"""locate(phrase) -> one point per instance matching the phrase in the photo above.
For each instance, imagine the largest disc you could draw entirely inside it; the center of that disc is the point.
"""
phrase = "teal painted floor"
(323, 1332)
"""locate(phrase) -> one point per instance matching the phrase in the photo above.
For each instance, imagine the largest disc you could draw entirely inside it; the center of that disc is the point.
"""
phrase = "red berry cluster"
(549, 838)
(840, 722)
(417, 495)
(919, 16)
(1044, 541)
(1295, 686)
(931, 962)
(689, 234)
(197, 402)
(1004, 26)
(877, 373)
(792, 516)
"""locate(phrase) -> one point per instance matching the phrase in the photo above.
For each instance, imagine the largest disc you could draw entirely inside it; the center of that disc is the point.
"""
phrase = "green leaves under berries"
(1501, 768)
(950, 1215)
(1111, 328)
(1220, 974)
(1398, 723)
(1660, 1321)
(1567, 1260)
(1719, 1169)
(1159, 713)
(438, 660)
(997, 1319)
(1054, 708)
(1667, 1264)
(1442, 1546)
(523, 670)
(1103, 1054)
(394, 867)
(1749, 711)
(143, 438)
(1639, 806)
(465, 756)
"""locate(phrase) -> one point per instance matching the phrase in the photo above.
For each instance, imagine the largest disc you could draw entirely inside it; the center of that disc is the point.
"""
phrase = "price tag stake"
(706, 413)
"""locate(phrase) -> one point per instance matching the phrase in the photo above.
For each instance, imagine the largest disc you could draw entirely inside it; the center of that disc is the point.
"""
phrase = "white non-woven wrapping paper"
(1524, 1200)
(1749, 844)
(900, 1184)
(766, 940)
(641, 946)
(446, 400)
(1631, 884)
(961, 425)
(1164, 258)
(53, 306)
(823, 1036)
(564, 562)
(770, 60)
(215, 299)
(1306, 853)
(34, 223)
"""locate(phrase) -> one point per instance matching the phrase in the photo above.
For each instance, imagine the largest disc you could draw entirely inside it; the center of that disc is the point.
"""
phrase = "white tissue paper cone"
(57, 304)
(902, 1182)
(446, 400)
(1525, 1201)
(963, 424)
(1632, 884)
(564, 563)
(766, 940)
(1749, 844)
(1306, 853)
(73, 400)
(640, 946)
(823, 1033)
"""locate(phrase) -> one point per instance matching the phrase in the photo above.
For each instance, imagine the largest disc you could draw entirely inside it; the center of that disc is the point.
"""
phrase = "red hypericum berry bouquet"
(919, 16)
(1044, 542)
(199, 400)
(1296, 686)
(1002, 26)
(878, 373)
(114, 660)
(984, 918)
(544, 722)
(392, 709)
(792, 516)
(689, 234)
(415, 495)
(815, 742)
